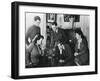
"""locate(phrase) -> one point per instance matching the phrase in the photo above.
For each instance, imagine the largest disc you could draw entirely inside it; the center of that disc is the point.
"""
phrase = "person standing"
(32, 33)
(56, 35)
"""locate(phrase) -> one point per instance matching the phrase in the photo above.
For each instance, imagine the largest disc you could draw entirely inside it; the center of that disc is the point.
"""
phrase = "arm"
(69, 55)
(84, 47)
(52, 40)
(31, 45)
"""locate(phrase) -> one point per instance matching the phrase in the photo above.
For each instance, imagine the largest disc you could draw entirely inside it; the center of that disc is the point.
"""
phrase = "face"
(38, 22)
(54, 27)
(71, 19)
(78, 36)
(39, 42)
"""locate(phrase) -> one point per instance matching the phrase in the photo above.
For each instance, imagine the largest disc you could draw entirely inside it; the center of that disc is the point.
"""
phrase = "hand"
(75, 54)
(70, 40)
(34, 38)
(61, 61)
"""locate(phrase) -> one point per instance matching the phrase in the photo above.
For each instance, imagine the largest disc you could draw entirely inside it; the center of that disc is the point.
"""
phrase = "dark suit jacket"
(32, 32)
(67, 55)
(59, 36)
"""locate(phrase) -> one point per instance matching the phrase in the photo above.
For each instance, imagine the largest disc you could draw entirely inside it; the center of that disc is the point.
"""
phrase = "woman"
(34, 51)
(81, 49)
(64, 55)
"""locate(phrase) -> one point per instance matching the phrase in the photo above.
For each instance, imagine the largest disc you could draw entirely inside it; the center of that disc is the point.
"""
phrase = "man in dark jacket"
(56, 35)
(30, 37)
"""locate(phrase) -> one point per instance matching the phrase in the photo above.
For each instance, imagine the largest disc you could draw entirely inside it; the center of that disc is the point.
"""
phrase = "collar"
(56, 30)
(80, 40)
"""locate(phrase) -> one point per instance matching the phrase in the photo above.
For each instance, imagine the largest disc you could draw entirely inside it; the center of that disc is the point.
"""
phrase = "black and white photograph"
(51, 40)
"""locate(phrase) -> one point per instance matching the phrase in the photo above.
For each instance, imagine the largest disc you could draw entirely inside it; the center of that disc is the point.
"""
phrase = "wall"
(60, 21)
(5, 40)
(84, 24)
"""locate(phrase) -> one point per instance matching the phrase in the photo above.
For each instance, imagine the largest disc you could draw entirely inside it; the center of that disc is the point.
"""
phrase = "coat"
(66, 55)
(83, 53)
(59, 36)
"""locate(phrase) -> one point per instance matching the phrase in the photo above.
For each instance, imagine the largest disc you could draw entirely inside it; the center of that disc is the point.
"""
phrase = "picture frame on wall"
(52, 40)
(67, 17)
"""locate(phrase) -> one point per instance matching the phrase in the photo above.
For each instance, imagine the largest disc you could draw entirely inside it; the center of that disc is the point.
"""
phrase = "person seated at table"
(56, 35)
(81, 49)
(36, 51)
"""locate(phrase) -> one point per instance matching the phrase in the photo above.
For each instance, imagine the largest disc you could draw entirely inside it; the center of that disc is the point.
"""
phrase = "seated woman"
(81, 49)
(34, 51)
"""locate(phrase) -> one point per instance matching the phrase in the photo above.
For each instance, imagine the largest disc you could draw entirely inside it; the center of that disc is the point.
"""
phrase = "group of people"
(62, 54)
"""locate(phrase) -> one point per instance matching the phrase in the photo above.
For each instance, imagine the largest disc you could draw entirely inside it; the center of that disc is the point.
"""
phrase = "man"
(64, 51)
(33, 30)
(31, 36)
(56, 35)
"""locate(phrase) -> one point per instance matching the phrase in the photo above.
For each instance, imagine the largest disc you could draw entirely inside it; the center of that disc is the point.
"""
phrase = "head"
(71, 18)
(60, 45)
(78, 34)
(37, 20)
(54, 26)
(39, 39)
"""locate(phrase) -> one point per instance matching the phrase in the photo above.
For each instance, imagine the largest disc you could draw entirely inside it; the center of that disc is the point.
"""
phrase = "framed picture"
(68, 16)
(51, 40)
(51, 17)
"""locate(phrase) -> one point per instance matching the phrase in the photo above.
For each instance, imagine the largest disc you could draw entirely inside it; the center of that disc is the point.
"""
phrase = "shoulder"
(60, 29)
(33, 28)
(84, 41)
(30, 28)
(36, 28)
